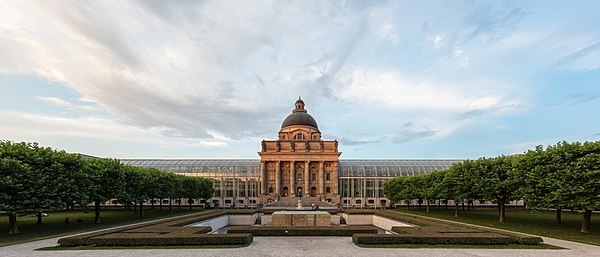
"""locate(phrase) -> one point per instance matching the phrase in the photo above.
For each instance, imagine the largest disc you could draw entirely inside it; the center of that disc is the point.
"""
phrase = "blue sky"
(211, 79)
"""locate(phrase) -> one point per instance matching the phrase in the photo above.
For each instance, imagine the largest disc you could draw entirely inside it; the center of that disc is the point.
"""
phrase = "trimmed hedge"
(165, 232)
(198, 239)
(303, 231)
(433, 231)
(480, 239)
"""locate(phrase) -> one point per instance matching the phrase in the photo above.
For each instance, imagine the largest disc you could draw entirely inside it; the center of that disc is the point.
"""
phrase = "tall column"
(278, 178)
(321, 179)
(292, 178)
(264, 178)
(306, 178)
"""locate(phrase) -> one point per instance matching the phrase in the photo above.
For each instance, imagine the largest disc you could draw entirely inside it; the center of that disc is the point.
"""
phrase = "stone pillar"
(278, 178)
(246, 189)
(264, 178)
(292, 178)
(306, 187)
(321, 179)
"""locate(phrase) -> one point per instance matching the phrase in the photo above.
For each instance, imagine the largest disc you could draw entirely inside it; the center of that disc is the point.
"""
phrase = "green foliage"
(35, 179)
(158, 239)
(163, 232)
(466, 239)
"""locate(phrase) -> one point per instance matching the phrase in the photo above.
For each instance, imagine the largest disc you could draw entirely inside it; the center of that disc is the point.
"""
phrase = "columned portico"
(306, 178)
(278, 178)
(292, 178)
(297, 159)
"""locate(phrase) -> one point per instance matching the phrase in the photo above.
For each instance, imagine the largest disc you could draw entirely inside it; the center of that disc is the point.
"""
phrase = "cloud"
(353, 142)
(407, 135)
(219, 72)
(579, 98)
(62, 103)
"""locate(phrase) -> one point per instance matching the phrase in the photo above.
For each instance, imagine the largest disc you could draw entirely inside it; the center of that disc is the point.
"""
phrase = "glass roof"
(347, 168)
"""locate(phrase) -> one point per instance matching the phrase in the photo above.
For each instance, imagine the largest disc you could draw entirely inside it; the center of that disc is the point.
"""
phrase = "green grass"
(66, 248)
(539, 223)
(515, 246)
(54, 224)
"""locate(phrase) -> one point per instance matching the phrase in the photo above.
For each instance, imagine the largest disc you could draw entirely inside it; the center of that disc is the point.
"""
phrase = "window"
(328, 190)
(241, 201)
(299, 137)
(270, 189)
(358, 201)
(313, 176)
(371, 201)
(227, 201)
(328, 176)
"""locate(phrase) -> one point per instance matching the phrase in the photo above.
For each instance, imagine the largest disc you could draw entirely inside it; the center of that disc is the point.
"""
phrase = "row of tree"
(565, 175)
(36, 179)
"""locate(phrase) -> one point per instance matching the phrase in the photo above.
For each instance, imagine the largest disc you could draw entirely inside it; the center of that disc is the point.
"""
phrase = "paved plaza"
(303, 246)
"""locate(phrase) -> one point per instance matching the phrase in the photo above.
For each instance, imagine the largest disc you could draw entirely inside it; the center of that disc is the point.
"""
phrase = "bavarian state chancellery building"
(299, 163)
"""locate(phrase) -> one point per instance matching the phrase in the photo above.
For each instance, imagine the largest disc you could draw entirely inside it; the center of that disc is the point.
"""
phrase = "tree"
(14, 190)
(196, 187)
(584, 187)
(107, 182)
(541, 172)
(429, 185)
(496, 182)
(399, 189)
(455, 184)
(43, 190)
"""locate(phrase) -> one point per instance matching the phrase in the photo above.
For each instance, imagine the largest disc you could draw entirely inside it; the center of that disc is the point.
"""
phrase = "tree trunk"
(501, 210)
(558, 219)
(179, 204)
(170, 205)
(439, 203)
(134, 208)
(463, 205)
(427, 205)
(97, 210)
(190, 202)
(446, 203)
(420, 203)
(587, 220)
(39, 218)
(160, 204)
(152, 204)
(141, 209)
(12, 221)
(456, 209)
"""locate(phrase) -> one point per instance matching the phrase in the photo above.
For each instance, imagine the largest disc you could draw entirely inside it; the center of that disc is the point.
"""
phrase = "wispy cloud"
(62, 103)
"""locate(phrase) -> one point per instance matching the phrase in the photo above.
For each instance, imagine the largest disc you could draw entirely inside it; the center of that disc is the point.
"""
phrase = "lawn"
(54, 224)
(539, 223)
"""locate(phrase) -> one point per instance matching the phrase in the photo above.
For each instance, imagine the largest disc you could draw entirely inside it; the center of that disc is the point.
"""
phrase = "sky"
(387, 79)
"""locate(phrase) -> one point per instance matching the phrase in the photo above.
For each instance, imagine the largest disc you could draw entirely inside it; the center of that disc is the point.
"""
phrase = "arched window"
(299, 136)
(270, 189)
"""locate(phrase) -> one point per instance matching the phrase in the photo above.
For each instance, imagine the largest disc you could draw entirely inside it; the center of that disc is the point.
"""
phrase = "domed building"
(298, 164)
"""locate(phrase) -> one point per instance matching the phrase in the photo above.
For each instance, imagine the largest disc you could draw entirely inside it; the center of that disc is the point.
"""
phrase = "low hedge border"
(198, 239)
(433, 231)
(482, 239)
(164, 232)
(303, 231)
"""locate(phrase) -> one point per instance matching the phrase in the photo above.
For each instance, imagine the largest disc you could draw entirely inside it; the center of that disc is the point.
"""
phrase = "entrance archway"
(299, 191)
(285, 191)
(313, 192)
